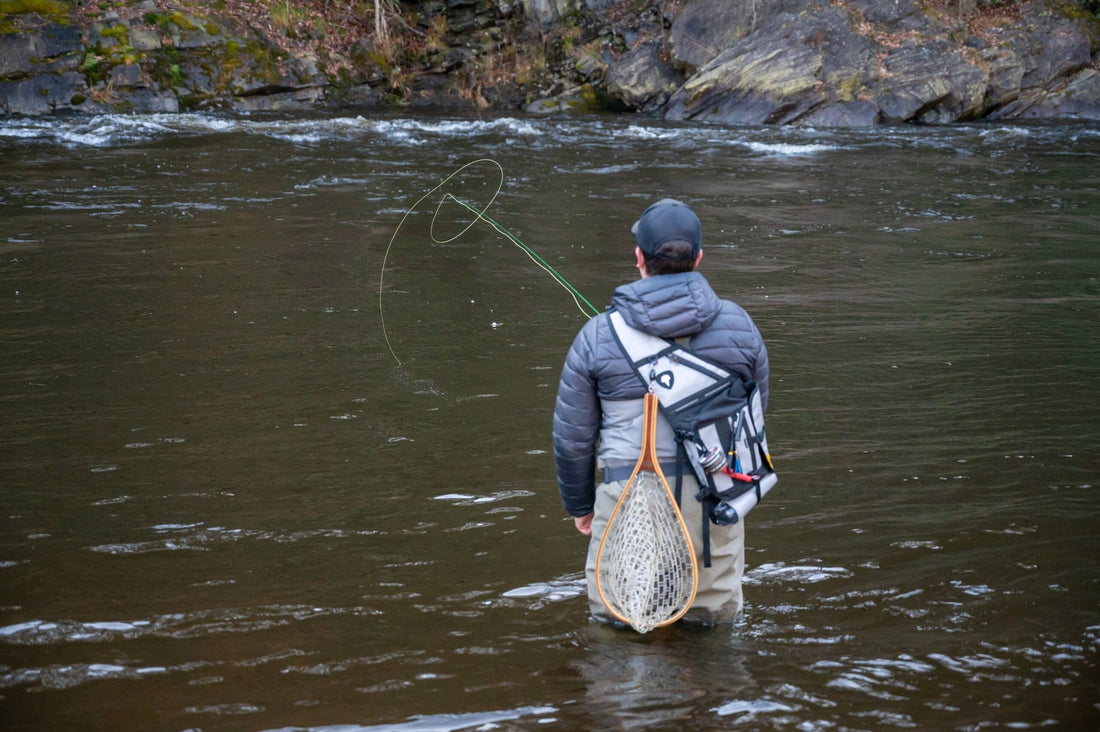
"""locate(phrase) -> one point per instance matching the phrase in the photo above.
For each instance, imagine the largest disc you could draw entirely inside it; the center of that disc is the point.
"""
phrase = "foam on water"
(784, 149)
(112, 129)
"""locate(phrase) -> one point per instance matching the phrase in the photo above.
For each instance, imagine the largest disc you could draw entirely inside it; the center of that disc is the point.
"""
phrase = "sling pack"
(718, 420)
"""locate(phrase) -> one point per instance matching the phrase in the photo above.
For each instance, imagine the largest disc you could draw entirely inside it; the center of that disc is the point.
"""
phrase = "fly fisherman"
(598, 415)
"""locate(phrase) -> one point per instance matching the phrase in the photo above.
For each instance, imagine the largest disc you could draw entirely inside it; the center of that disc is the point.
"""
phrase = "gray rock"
(570, 100)
(290, 100)
(362, 95)
(706, 28)
(187, 31)
(780, 74)
(640, 80)
(16, 53)
(43, 94)
(590, 68)
(197, 76)
(196, 38)
(932, 83)
(549, 11)
(1061, 49)
(105, 36)
(1006, 71)
(844, 114)
(127, 75)
(143, 39)
(1078, 98)
(147, 101)
(885, 11)
(815, 68)
(56, 39)
(306, 71)
(1039, 52)
(46, 48)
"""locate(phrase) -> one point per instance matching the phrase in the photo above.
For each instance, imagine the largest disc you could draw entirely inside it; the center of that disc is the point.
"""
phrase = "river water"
(251, 478)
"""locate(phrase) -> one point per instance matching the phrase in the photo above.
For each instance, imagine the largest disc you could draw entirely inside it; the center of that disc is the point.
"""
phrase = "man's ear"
(699, 258)
(639, 258)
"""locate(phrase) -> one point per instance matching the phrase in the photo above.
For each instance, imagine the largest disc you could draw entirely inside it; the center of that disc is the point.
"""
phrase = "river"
(275, 454)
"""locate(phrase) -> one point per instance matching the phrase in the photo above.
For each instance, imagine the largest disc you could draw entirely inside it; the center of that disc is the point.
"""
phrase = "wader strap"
(707, 504)
(680, 457)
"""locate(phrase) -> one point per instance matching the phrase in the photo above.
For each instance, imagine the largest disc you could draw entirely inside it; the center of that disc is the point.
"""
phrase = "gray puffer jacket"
(600, 395)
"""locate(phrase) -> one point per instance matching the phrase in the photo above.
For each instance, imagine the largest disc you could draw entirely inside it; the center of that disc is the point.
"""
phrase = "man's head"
(670, 238)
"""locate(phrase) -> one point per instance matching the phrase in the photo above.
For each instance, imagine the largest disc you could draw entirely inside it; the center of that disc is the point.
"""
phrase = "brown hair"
(670, 258)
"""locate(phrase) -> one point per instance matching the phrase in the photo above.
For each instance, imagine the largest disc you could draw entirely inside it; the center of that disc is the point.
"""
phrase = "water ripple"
(440, 722)
(172, 625)
(781, 572)
(194, 537)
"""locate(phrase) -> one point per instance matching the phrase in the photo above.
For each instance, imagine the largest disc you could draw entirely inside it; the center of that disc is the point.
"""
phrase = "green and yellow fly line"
(479, 215)
(646, 570)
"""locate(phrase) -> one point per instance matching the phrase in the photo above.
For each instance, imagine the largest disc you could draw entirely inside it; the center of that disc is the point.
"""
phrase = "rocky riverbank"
(838, 63)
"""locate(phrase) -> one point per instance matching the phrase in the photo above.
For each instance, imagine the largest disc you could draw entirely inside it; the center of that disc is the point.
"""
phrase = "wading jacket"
(598, 415)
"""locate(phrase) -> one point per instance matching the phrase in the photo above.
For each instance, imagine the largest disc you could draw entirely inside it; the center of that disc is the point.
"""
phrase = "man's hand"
(583, 524)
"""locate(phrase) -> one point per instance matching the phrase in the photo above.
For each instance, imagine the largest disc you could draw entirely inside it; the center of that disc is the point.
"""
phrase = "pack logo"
(665, 379)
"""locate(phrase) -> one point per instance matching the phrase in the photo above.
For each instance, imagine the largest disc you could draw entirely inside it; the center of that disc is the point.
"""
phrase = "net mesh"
(646, 569)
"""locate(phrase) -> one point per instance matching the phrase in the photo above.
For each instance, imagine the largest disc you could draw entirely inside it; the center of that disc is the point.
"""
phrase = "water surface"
(232, 500)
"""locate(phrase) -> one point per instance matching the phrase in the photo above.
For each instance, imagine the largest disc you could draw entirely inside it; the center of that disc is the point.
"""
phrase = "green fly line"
(479, 215)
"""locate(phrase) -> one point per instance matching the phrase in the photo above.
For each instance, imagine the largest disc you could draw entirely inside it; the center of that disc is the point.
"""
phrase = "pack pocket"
(749, 473)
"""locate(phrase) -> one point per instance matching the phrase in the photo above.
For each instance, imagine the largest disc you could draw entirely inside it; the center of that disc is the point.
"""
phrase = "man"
(598, 415)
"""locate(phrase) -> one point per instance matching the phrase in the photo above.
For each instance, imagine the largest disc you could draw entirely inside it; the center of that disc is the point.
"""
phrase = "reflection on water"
(227, 505)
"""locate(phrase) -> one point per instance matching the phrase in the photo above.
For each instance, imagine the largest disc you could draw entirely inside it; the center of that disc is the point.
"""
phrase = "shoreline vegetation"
(799, 62)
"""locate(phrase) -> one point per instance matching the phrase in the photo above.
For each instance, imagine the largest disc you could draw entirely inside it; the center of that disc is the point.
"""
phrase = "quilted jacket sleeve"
(577, 424)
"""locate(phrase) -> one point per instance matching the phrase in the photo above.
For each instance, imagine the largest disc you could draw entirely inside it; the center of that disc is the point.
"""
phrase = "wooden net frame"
(646, 571)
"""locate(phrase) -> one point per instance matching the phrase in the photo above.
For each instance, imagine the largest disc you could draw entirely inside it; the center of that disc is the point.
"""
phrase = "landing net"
(645, 568)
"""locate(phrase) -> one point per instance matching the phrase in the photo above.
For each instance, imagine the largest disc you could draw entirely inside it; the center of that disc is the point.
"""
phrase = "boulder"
(832, 67)
(844, 114)
(932, 82)
(127, 76)
(43, 94)
(1077, 98)
(1054, 48)
(705, 28)
(1006, 71)
(783, 73)
(41, 50)
(54, 39)
(574, 99)
(295, 99)
(641, 80)
(547, 12)
(144, 100)
(17, 50)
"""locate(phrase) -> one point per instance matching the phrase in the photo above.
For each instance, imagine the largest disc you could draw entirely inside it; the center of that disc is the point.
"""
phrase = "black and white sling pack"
(718, 420)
